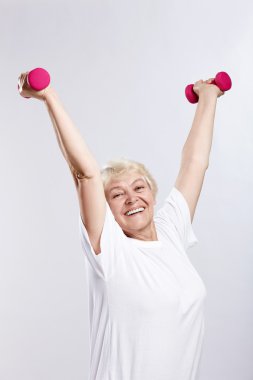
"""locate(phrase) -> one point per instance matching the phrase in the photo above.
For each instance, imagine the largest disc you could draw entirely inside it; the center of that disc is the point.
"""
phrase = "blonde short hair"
(115, 168)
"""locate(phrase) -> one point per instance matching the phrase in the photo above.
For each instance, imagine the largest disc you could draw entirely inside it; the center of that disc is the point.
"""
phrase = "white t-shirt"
(145, 300)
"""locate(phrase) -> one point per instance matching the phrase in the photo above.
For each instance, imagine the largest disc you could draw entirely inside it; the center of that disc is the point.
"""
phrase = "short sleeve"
(174, 219)
(111, 243)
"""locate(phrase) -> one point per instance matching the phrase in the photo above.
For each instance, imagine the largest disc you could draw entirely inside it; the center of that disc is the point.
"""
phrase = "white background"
(120, 68)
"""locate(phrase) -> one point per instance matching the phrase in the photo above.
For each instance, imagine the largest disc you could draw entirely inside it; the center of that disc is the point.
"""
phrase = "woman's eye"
(116, 195)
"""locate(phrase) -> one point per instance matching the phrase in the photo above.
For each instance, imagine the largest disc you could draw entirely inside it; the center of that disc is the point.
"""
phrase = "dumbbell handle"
(38, 79)
(222, 80)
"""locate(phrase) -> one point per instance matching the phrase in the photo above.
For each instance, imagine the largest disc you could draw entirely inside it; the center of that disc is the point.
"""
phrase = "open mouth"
(135, 212)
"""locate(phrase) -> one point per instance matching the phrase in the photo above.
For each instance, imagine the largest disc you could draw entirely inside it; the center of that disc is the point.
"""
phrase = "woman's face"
(128, 192)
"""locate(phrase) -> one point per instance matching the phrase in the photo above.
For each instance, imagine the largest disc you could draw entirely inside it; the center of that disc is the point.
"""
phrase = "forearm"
(199, 141)
(73, 147)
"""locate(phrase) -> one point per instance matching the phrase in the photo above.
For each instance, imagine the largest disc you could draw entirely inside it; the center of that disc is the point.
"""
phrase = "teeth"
(135, 211)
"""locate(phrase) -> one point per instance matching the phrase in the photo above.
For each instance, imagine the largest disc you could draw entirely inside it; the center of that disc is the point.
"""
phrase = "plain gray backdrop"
(120, 68)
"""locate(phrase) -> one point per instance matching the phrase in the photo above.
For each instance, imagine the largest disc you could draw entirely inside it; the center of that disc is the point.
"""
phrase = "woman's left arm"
(196, 150)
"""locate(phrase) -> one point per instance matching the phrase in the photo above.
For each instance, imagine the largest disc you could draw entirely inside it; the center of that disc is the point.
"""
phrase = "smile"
(135, 211)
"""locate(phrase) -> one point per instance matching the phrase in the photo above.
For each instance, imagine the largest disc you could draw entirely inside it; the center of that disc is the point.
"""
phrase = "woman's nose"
(131, 198)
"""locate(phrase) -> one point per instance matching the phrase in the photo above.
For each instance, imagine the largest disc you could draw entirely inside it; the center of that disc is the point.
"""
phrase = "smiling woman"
(145, 297)
(151, 297)
(130, 192)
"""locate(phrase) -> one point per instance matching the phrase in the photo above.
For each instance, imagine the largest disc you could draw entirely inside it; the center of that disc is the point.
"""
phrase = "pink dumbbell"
(38, 79)
(222, 80)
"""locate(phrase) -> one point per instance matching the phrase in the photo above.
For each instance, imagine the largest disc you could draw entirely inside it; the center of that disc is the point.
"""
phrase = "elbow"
(80, 175)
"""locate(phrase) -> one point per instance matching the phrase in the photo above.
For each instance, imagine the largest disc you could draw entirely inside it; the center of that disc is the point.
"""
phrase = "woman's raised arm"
(83, 166)
(196, 150)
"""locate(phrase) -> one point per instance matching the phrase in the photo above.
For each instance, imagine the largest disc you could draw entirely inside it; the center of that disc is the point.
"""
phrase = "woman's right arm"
(83, 166)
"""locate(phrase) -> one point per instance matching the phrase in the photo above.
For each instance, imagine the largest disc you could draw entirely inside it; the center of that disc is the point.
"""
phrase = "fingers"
(199, 82)
(206, 81)
(201, 85)
(22, 80)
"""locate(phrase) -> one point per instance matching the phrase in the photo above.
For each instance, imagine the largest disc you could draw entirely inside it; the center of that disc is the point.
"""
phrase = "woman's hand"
(204, 87)
(27, 92)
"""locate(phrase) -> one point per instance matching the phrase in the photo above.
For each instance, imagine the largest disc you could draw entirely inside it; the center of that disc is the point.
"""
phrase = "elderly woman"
(145, 297)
